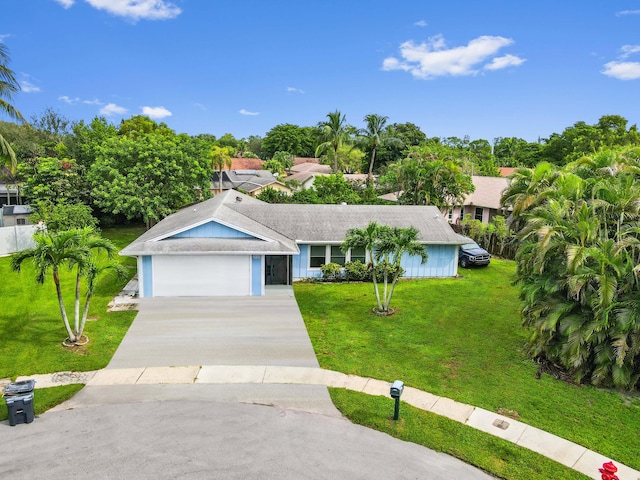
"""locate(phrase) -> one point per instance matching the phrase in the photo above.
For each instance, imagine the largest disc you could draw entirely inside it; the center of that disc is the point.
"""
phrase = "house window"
(478, 215)
(337, 256)
(21, 221)
(358, 254)
(322, 254)
(317, 256)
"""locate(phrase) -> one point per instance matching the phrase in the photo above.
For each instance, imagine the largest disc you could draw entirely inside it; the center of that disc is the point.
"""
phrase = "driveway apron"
(196, 331)
(216, 331)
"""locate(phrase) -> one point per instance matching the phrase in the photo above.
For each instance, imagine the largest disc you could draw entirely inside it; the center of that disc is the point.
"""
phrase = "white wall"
(17, 238)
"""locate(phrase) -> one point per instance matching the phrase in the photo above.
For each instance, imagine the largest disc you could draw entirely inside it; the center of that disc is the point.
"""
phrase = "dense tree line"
(577, 263)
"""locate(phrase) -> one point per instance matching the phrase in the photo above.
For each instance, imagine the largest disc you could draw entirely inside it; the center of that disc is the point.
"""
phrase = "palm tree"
(52, 251)
(385, 246)
(220, 160)
(74, 249)
(375, 135)
(8, 86)
(394, 243)
(366, 238)
(335, 133)
(88, 241)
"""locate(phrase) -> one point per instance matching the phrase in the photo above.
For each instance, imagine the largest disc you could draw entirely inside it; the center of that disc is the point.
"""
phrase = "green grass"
(461, 338)
(31, 326)
(489, 453)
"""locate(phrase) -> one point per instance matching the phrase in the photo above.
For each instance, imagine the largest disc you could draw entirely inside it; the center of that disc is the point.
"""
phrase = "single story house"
(234, 244)
(12, 215)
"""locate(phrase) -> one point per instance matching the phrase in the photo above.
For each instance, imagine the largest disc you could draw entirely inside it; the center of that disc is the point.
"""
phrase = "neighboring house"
(11, 215)
(484, 203)
(250, 181)
(304, 173)
(234, 244)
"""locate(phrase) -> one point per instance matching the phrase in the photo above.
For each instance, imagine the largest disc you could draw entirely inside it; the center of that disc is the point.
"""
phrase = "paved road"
(205, 440)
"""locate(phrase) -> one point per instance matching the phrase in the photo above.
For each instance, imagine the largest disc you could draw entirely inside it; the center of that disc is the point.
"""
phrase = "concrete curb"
(562, 451)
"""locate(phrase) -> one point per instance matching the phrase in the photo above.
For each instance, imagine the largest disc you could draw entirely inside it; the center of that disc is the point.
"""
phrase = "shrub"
(356, 272)
(331, 272)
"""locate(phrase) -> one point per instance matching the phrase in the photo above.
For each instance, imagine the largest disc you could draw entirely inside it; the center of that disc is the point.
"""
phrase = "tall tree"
(8, 86)
(53, 251)
(577, 264)
(385, 246)
(427, 181)
(374, 135)
(220, 160)
(335, 133)
(147, 176)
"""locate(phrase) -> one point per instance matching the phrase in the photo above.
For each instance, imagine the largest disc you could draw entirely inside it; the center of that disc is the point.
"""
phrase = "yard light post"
(396, 392)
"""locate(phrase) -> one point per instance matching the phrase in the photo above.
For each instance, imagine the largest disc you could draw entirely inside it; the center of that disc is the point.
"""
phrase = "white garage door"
(201, 276)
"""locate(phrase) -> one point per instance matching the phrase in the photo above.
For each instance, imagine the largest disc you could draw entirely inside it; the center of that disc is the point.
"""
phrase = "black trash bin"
(19, 399)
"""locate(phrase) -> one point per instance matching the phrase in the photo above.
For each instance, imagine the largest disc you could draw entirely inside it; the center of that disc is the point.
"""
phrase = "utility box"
(19, 399)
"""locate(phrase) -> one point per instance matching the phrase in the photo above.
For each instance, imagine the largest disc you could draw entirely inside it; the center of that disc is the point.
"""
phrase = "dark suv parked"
(472, 254)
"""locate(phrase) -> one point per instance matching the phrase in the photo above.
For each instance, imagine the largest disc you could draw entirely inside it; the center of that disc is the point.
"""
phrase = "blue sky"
(478, 68)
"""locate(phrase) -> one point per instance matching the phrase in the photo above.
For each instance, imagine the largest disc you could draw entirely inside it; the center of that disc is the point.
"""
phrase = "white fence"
(16, 239)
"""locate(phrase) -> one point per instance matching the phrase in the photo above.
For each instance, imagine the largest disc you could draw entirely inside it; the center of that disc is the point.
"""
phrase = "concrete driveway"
(216, 331)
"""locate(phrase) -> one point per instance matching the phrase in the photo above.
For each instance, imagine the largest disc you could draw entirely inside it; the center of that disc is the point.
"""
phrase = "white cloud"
(112, 109)
(95, 101)
(138, 9)
(506, 61)
(69, 100)
(622, 70)
(432, 58)
(27, 87)
(200, 106)
(3, 36)
(156, 112)
(628, 50)
(247, 112)
(66, 3)
(628, 12)
(420, 23)
(294, 90)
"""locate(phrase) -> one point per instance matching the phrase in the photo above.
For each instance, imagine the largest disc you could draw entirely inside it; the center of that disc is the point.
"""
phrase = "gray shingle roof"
(329, 223)
(277, 227)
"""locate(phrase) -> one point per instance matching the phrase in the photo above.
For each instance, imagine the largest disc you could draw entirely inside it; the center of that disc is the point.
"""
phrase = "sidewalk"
(567, 453)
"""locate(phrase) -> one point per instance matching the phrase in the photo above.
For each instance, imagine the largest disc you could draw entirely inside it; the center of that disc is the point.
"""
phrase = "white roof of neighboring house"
(488, 191)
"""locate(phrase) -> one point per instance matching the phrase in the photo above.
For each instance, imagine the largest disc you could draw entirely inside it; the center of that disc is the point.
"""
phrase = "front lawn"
(31, 327)
(461, 338)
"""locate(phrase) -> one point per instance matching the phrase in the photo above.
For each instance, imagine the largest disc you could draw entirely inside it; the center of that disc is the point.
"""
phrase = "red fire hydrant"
(608, 471)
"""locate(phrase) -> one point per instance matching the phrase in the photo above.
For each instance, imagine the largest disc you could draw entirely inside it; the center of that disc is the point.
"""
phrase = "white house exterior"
(235, 245)
(484, 203)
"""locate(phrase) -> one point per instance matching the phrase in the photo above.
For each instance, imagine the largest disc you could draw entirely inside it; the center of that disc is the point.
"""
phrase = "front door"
(277, 270)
